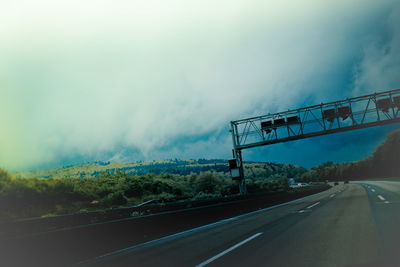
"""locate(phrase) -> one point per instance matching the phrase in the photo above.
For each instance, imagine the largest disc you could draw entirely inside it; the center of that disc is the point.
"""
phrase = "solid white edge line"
(219, 255)
(313, 205)
(381, 198)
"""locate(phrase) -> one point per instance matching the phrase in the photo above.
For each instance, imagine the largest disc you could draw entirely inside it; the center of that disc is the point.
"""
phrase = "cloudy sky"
(126, 80)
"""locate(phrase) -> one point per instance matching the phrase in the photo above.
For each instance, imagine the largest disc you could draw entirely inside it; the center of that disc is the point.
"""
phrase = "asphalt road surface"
(356, 224)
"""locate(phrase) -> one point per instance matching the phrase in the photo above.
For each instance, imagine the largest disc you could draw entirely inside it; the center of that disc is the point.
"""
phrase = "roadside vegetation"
(32, 197)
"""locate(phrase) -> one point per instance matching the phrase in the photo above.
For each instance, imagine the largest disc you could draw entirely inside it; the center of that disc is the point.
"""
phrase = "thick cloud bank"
(126, 80)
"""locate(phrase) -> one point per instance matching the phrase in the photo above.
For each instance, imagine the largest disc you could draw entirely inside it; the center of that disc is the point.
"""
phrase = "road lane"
(386, 217)
(348, 225)
(194, 249)
(63, 247)
(339, 233)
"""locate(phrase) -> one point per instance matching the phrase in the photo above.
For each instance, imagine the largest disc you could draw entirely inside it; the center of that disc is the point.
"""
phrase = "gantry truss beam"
(339, 116)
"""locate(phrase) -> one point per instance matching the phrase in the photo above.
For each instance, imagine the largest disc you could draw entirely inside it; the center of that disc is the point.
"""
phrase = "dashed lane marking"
(381, 198)
(204, 263)
(313, 205)
(303, 211)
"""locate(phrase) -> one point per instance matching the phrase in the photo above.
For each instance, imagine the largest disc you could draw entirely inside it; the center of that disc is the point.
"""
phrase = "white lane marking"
(303, 211)
(332, 195)
(373, 190)
(313, 205)
(386, 202)
(204, 263)
(381, 198)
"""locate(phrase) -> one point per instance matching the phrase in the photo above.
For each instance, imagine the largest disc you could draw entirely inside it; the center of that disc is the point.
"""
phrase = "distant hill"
(176, 166)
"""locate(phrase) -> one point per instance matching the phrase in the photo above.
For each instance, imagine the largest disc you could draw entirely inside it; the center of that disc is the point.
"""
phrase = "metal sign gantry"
(339, 116)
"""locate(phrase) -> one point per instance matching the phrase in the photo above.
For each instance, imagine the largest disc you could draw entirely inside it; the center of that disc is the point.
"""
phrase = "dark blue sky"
(340, 147)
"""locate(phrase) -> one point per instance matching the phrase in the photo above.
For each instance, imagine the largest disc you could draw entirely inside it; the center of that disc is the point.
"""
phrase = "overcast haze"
(140, 80)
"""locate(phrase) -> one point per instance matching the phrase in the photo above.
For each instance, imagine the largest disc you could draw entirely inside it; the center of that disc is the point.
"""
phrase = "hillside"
(177, 166)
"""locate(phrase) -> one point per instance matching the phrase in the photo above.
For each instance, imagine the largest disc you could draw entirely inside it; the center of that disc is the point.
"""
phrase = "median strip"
(204, 263)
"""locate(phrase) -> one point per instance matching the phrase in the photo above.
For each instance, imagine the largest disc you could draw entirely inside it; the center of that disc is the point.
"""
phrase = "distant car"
(336, 183)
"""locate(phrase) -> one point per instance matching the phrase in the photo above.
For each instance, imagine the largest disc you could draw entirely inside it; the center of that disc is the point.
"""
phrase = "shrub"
(207, 183)
(115, 198)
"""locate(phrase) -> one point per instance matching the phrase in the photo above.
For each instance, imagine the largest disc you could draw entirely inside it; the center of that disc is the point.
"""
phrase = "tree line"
(383, 163)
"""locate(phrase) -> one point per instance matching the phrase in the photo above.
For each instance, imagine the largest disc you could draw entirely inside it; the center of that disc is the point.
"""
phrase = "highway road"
(356, 224)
